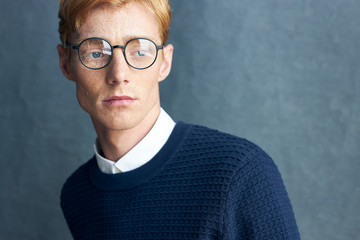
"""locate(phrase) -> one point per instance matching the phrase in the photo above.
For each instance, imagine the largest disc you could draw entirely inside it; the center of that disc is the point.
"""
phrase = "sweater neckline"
(130, 179)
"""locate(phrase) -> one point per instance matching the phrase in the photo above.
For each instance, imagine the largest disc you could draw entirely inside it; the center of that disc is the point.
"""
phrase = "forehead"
(119, 24)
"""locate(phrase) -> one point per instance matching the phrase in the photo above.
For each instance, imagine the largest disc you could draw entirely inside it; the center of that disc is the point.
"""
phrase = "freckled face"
(119, 97)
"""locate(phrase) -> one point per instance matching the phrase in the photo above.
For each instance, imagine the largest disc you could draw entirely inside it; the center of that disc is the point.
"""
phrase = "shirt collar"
(143, 152)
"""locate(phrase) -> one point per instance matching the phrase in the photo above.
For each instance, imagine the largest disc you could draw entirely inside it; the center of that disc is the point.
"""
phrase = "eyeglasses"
(96, 53)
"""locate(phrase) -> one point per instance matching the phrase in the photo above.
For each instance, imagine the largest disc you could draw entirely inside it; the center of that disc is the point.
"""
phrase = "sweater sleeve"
(258, 206)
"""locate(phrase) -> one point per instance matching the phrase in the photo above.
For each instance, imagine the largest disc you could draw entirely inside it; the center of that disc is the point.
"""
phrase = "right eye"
(95, 55)
(92, 54)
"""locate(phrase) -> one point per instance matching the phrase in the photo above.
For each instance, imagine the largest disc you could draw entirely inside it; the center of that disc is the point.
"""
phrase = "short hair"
(73, 13)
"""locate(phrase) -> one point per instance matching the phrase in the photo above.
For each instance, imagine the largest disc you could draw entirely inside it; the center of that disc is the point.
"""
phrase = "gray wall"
(282, 73)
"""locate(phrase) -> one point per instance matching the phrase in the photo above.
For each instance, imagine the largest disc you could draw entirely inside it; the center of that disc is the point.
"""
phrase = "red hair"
(72, 14)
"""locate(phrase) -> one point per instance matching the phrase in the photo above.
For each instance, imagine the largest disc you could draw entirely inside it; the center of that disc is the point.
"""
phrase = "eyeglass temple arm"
(72, 46)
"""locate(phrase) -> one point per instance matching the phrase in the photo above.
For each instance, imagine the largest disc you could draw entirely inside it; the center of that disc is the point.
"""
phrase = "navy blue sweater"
(203, 184)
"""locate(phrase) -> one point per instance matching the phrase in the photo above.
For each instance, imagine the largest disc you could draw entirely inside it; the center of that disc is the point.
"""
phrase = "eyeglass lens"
(97, 53)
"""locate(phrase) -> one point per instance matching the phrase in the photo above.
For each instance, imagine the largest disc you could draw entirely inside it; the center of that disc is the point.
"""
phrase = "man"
(151, 178)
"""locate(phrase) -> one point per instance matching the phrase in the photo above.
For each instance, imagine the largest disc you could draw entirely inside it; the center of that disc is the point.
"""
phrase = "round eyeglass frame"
(123, 47)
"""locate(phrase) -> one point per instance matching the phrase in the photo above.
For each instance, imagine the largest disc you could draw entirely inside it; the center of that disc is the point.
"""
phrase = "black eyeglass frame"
(123, 47)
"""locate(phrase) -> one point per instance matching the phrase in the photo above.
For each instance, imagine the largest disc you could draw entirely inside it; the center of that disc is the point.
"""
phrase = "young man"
(151, 178)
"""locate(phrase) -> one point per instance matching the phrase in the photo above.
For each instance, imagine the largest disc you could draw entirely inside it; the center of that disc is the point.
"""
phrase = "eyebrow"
(124, 39)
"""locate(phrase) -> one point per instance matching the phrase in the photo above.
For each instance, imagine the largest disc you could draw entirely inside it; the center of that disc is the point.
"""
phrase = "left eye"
(141, 53)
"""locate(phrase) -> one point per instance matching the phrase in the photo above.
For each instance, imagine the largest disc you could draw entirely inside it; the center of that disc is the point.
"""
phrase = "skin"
(120, 125)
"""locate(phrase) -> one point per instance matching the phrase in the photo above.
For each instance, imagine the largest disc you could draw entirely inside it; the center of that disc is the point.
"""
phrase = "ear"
(166, 62)
(64, 62)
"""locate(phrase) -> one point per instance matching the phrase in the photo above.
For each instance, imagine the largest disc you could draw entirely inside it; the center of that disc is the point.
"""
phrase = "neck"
(115, 143)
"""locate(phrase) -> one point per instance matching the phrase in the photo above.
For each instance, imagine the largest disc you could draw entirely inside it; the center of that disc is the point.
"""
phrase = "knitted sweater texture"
(203, 184)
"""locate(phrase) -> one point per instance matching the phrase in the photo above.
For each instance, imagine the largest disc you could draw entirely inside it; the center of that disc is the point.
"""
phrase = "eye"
(141, 53)
(92, 54)
(96, 55)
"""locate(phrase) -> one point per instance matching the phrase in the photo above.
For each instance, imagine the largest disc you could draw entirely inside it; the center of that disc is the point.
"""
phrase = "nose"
(119, 70)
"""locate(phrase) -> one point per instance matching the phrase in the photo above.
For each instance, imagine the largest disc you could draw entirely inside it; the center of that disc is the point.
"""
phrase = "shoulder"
(223, 151)
(241, 166)
(203, 138)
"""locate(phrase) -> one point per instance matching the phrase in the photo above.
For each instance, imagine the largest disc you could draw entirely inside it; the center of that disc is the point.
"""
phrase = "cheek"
(86, 93)
(150, 84)
(83, 98)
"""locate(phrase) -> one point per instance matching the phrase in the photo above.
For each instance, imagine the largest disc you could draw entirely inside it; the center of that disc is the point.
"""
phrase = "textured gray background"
(282, 73)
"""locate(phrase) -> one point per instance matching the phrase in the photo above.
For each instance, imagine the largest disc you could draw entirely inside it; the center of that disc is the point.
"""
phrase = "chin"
(117, 122)
(120, 125)
(123, 118)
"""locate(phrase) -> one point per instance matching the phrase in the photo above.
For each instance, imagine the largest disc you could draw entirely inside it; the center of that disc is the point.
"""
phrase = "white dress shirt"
(143, 152)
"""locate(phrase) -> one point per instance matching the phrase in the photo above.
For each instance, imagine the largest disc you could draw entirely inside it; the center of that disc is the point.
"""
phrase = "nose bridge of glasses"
(120, 46)
(123, 53)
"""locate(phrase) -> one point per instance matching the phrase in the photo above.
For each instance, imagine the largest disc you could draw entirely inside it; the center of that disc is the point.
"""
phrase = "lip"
(119, 100)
